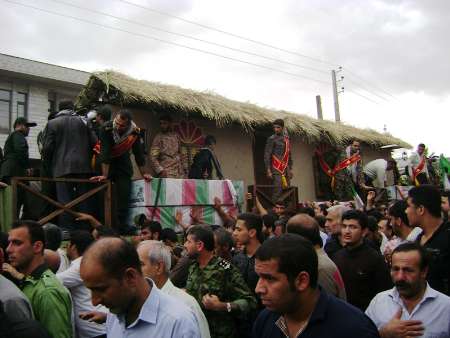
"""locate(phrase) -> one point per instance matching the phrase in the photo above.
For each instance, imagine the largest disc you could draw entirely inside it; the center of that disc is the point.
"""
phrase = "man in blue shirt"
(111, 269)
(412, 308)
(295, 306)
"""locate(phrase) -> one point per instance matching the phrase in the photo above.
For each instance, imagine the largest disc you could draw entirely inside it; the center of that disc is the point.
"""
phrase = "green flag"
(444, 165)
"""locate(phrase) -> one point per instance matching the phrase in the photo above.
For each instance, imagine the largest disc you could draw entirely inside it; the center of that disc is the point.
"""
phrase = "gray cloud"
(63, 40)
(401, 44)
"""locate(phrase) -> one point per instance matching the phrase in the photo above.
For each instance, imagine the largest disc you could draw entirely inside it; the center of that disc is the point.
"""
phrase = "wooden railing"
(19, 182)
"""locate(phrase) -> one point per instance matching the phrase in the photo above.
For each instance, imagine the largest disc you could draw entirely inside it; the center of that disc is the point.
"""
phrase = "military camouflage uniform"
(276, 146)
(222, 279)
(166, 155)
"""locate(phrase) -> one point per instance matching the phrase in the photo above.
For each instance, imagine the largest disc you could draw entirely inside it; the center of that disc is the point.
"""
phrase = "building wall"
(235, 152)
(234, 146)
(302, 154)
(37, 105)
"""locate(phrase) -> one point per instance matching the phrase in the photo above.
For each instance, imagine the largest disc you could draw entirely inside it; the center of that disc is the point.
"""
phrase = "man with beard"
(402, 230)
(16, 158)
(117, 139)
(248, 234)
(278, 159)
(295, 305)
(216, 284)
(50, 301)
(419, 170)
(363, 269)
(165, 152)
(424, 210)
(412, 308)
(111, 269)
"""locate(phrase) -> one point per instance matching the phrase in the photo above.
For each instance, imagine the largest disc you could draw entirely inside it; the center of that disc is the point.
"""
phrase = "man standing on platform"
(356, 168)
(277, 159)
(165, 152)
(419, 170)
(67, 151)
(16, 158)
(349, 176)
(117, 138)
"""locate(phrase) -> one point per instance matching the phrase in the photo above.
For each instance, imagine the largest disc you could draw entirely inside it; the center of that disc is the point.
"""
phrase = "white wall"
(37, 108)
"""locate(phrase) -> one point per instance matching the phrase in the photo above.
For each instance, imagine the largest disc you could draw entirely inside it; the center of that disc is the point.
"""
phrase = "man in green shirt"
(217, 285)
(51, 302)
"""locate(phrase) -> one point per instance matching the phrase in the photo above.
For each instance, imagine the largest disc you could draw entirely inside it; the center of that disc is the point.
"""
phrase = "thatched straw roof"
(123, 90)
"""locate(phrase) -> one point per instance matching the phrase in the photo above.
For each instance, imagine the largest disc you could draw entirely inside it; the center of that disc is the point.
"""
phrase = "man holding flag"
(277, 159)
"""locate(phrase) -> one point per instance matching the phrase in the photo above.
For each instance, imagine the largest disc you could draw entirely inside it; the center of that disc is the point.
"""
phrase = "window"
(21, 110)
(5, 111)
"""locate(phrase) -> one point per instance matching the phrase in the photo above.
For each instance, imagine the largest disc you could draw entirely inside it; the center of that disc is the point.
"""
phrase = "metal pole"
(337, 114)
(319, 107)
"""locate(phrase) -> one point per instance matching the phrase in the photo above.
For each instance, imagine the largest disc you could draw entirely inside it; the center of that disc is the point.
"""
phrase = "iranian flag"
(184, 196)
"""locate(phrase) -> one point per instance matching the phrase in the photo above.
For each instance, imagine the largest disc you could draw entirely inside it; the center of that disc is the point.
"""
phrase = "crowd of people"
(318, 269)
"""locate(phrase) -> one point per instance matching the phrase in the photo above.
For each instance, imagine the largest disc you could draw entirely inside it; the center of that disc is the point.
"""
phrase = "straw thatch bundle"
(123, 90)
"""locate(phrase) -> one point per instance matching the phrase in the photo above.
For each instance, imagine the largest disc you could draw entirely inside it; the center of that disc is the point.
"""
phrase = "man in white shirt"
(412, 308)
(419, 170)
(375, 172)
(156, 259)
(81, 296)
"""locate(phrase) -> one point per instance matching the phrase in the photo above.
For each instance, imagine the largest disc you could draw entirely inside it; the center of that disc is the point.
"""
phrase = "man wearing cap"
(16, 161)
(277, 159)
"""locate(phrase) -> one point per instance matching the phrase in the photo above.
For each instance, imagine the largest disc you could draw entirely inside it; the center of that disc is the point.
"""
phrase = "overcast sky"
(394, 53)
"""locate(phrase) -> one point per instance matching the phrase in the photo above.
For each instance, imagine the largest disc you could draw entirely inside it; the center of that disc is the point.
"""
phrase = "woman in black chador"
(204, 160)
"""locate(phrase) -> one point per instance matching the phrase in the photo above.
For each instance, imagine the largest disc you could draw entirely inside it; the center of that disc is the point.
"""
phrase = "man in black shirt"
(295, 305)
(204, 160)
(363, 269)
(118, 138)
(424, 210)
(247, 233)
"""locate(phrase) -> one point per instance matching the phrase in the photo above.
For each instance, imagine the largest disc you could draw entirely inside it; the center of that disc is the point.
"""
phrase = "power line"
(168, 42)
(363, 96)
(372, 85)
(367, 90)
(252, 41)
(190, 37)
(229, 33)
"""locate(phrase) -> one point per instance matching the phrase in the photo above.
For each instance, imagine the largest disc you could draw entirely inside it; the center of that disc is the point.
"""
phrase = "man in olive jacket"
(16, 158)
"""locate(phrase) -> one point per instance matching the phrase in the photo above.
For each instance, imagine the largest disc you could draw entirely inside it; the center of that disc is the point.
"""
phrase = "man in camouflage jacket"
(216, 284)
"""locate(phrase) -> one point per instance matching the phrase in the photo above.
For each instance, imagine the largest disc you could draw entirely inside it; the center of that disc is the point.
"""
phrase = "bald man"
(329, 277)
(111, 269)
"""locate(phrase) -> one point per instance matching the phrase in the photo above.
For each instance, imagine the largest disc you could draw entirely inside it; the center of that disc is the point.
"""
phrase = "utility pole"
(337, 114)
(319, 107)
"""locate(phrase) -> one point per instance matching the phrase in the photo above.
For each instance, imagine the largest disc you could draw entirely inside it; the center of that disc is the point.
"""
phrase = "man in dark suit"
(68, 148)
(16, 161)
